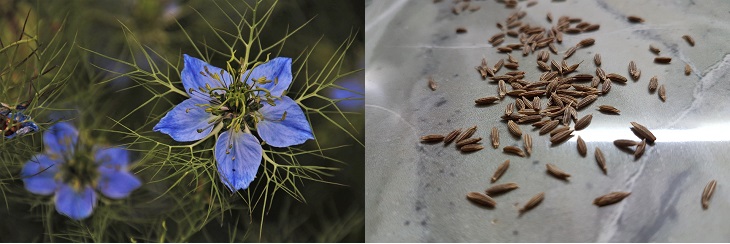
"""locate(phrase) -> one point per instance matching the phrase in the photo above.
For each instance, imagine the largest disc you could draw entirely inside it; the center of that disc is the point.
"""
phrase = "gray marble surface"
(416, 192)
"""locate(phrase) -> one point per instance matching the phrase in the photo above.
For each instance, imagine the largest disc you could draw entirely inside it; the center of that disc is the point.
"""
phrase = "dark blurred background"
(331, 213)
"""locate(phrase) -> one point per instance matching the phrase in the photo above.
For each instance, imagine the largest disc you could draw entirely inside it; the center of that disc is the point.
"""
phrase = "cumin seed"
(528, 143)
(500, 170)
(514, 128)
(481, 199)
(608, 109)
(432, 138)
(707, 193)
(495, 137)
(557, 172)
(468, 133)
(471, 148)
(432, 84)
(582, 123)
(582, 150)
(640, 149)
(468, 141)
(689, 39)
(514, 150)
(663, 60)
(601, 160)
(533, 202)
(610, 198)
(597, 59)
(501, 188)
(451, 136)
(643, 132)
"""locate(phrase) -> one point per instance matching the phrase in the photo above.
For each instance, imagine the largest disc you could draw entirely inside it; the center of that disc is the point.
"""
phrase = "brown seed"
(663, 60)
(640, 149)
(514, 150)
(481, 199)
(608, 109)
(471, 148)
(495, 37)
(529, 118)
(662, 93)
(513, 128)
(586, 101)
(460, 30)
(468, 141)
(432, 138)
(502, 88)
(533, 202)
(495, 137)
(601, 160)
(451, 136)
(536, 103)
(544, 66)
(687, 69)
(582, 123)
(591, 27)
(625, 143)
(512, 66)
(432, 84)
(569, 52)
(558, 130)
(504, 49)
(610, 198)
(653, 83)
(509, 109)
(500, 170)
(586, 42)
(511, 59)
(582, 147)
(606, 86)
(528, 143)
(654, 49)
(498, 65)
(468, 133)
(601, 74)
(635, 19)
(573, 30)
(558, 173)
(597, 59)
(689, 40)
(531, 3)
(707, 193)
(549, 127)
(560, 137)
(616, 77)
(643, 132)
(549, 17)
(513, 33)
(501, 188)
(486, 100)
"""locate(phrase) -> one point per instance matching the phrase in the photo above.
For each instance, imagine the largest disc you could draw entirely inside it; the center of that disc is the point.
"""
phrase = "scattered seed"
(468, 133)
(586, 101)
(528, 143)
(558, 130)
(513, 128)
(582, 147)
(549, 127)
(653, 83)
(687, 69)
(468, 141)
(654, 49)
(533, 202)
(643, 132)
(608, 109)
(601, 160)
(486, 100)
(432, 138)
(549, 17)
(531, 3)
(707, 193)
(481, 199)
(460, 30)
(502, 87)
(501, 188)
(625, 143)
(471, 148)
(616, 77)
(597, 59)
(663, 60)
(509, 109)
(611, 198)
(635, 19)
(512, 66)
(514, 150)
(640, 149)
(495, 137)
(495, 37)
(582, 123)
(592, 27)
(451, 136)
(662, 93)
(558, 173)
(586, 42)
(500, 171)
(432, 84)
(689, 40)
(569, 52)
(561, 136)
(504, 49)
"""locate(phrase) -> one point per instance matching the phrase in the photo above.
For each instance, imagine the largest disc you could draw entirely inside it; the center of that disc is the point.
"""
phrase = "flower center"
(79, 169)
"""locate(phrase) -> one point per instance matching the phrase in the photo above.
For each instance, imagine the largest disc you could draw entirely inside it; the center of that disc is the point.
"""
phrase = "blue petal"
(184, 120)
(293, 130)
(113, 157)
(38, 174)
(117, 184)
(75, 204)
(277, 70)
(238, 155)
(193, 79)
(61, 138)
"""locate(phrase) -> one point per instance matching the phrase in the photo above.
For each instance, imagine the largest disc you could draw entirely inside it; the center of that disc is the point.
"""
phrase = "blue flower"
(73, 177)
(255, 102)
